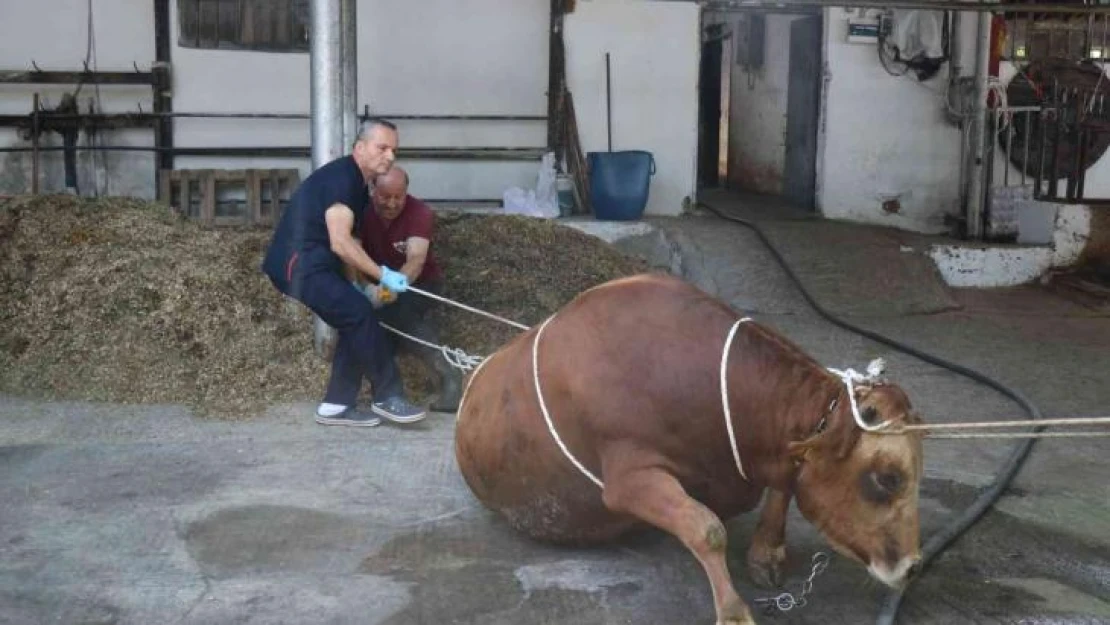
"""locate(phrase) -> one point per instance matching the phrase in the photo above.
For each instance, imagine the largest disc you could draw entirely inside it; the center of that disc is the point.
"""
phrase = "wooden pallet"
(195, 193)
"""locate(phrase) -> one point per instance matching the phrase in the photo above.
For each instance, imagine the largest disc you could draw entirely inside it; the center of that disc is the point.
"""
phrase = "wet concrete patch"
(1012, 570)
(14, 457)
(458, 574)
(266, 539)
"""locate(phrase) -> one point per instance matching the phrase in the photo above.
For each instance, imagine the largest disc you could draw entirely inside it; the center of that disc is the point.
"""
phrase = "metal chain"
(787, 601)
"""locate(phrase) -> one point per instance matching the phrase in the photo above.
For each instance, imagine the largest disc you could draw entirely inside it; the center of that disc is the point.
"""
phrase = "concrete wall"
(758, 98)
(52, 33)
(442, 57)
(655, 50)
(885, 138)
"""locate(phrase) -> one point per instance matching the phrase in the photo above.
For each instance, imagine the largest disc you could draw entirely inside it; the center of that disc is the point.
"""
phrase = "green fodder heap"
(121, 300)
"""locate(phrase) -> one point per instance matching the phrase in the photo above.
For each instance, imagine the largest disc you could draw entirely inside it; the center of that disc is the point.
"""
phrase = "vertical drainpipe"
(977, 184)
(163, 99)
(327, 109)
(556, 71)
(349, 46)
(955, 73)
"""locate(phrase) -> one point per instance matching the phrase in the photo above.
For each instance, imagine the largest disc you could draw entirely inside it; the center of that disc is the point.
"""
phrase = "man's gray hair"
(367, 126)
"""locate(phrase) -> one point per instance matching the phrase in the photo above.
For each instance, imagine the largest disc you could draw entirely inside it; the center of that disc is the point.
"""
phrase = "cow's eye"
(870, 415)
(880, 486)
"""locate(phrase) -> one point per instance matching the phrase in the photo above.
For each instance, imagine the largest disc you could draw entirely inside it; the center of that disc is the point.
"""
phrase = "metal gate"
(1051, 135)
(1041, 139)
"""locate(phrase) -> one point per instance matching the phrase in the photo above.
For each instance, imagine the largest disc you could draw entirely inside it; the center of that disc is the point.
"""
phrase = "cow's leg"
(655, 496)
(767, 555)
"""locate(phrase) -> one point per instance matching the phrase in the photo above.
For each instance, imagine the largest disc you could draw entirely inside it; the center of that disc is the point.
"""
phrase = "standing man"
(312, 244)
(398, 231)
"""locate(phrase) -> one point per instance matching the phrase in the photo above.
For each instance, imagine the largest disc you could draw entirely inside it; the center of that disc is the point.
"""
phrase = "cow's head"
(860, 488)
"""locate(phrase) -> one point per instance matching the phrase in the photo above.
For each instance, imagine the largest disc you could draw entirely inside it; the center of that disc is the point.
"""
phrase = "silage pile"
(123, 301)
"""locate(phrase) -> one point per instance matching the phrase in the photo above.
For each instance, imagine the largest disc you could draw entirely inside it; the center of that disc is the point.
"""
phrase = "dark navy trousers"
(362, 349)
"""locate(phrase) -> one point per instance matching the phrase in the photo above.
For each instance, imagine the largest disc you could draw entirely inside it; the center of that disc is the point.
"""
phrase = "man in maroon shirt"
(398, 231)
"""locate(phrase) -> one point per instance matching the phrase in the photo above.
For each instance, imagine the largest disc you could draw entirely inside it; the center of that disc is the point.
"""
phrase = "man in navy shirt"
(312, 246)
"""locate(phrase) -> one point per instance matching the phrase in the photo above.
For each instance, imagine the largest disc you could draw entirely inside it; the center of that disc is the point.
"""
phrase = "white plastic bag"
(543, 201)
(547, 193)
(520, 202)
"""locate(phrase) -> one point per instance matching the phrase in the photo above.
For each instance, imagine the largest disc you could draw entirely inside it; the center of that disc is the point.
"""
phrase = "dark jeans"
(362, 348)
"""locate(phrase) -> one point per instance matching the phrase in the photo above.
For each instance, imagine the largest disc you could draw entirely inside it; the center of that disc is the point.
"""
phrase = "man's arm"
(341, 220)
(416, 254)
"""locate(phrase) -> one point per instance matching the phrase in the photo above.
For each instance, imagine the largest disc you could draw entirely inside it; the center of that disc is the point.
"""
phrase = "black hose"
(939, 541)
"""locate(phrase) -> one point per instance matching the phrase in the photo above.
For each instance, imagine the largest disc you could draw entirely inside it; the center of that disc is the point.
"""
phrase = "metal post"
(162, 85)
(977, 182)
(35, 144)
(327, 111)
(350, 71)
(326, 82)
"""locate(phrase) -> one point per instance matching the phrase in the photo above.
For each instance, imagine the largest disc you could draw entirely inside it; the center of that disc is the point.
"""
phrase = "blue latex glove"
(394, 280)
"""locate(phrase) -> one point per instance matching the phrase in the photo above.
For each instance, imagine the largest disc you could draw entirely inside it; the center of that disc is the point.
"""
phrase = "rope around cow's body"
(467, 362)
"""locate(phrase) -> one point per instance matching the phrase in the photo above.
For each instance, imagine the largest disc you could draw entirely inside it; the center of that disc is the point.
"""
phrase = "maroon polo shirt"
(386, 243)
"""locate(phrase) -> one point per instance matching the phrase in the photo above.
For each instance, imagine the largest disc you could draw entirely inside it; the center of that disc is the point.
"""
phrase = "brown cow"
(630, 376)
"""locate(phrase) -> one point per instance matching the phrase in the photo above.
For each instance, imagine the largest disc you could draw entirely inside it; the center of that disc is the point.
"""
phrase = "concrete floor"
(145, 514)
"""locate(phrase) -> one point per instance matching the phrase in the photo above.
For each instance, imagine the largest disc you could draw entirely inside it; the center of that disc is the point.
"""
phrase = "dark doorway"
(709, 106)
(802, 112)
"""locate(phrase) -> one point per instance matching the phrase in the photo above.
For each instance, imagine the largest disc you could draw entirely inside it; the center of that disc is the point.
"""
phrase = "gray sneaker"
(398, 410)
(351, 417)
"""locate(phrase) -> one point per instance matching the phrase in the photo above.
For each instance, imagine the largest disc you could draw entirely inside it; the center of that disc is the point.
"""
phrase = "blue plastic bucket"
(619, 183)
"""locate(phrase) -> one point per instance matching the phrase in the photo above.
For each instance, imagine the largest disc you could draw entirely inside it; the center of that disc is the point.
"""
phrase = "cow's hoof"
(766, 566)
(735, 613)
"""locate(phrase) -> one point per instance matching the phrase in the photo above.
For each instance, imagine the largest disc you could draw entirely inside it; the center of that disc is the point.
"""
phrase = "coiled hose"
(949, 533)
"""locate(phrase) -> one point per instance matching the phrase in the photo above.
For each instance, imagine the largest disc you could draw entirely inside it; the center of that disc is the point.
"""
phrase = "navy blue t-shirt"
(300, 244)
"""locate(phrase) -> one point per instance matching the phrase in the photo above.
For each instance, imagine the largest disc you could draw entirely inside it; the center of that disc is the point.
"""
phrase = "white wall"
(655, 50)
(885, 137)
(757, 132)
(431, 57)
(53, 34)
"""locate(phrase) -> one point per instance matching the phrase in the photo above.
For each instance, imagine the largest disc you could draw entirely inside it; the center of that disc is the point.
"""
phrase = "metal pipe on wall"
(776, 6)
(348, 18)
(977, 183)
(326, 82)
(326, 53)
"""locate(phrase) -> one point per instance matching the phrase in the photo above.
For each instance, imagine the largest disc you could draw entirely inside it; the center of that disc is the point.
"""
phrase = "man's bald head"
(395, 181)
(390, 191)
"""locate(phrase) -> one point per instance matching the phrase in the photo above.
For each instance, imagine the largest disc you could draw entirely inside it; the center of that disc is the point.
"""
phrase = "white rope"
(466, 389)
(547, 416)
(724, 397)
(850, 377)
(457, 357)
(1020, 435)
(1006, 424)
(476, 311)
